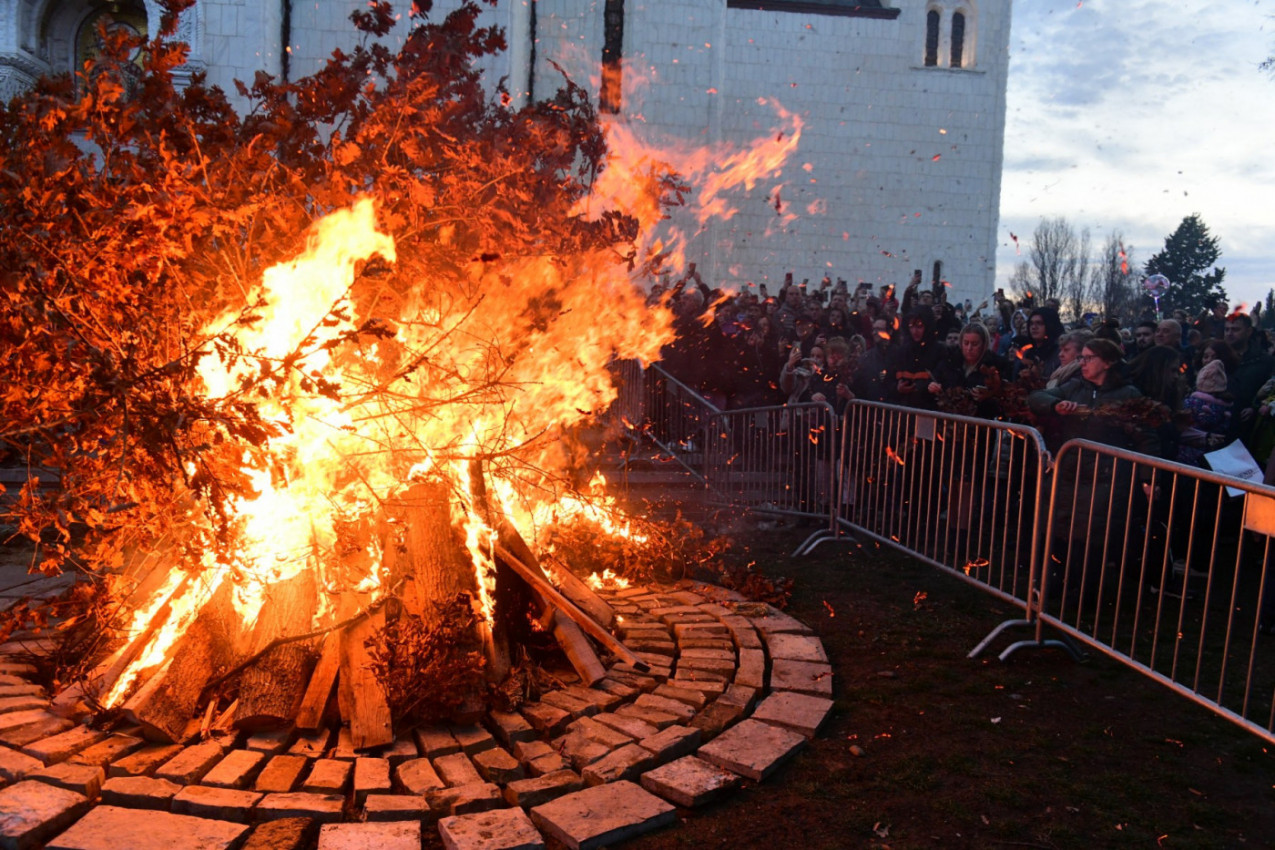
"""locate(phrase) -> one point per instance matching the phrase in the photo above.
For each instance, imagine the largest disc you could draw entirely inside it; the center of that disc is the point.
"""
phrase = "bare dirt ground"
(1037, 752)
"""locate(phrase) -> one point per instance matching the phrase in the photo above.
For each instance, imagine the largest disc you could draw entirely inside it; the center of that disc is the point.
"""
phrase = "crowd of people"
(1174, 387)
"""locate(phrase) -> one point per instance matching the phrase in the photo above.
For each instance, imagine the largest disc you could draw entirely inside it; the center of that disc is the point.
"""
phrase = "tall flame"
(498, 360)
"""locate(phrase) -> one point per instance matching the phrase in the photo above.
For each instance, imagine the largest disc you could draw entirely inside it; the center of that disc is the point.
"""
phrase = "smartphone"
(691, 269)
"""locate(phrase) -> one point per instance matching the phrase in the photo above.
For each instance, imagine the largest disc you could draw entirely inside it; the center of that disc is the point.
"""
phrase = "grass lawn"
(927, 748)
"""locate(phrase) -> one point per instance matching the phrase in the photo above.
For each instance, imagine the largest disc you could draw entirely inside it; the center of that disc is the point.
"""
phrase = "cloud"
(1132, 114)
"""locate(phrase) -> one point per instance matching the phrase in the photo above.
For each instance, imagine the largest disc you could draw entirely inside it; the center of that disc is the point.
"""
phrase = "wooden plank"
(310, 714)
(575, 589)
(362, 697)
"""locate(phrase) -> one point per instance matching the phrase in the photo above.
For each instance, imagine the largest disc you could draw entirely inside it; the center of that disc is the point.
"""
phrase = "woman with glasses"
(1093, 494)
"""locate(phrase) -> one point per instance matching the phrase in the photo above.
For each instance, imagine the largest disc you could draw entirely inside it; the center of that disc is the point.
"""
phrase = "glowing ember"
(607, 581)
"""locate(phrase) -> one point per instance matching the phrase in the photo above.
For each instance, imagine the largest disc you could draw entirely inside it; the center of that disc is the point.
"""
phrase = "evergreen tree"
(1188, 262)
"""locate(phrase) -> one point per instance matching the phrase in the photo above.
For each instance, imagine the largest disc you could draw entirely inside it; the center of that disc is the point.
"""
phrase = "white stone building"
(903, 105)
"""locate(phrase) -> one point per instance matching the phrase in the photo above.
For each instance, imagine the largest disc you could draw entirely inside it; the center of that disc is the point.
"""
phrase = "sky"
(1130, 115)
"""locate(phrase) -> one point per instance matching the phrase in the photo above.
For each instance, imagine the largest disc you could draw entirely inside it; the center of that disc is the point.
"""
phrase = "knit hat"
(1212, 378)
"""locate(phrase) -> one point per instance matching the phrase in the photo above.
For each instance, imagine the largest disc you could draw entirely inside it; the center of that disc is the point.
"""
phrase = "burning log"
(165, 704)
(272, 689)
(438, 569)
(536, 578)
(566, 632)
(361, 697)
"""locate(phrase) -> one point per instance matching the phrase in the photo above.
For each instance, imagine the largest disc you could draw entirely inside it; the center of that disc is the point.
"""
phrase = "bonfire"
(312, 381)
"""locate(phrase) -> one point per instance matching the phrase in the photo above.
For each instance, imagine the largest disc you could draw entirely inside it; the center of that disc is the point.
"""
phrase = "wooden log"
(165, 704)
(362, 697)
(565, 631)
(271, 690)
(537, 580)
(578, 650)
(510, 603)
(438, 569)
(574, 588)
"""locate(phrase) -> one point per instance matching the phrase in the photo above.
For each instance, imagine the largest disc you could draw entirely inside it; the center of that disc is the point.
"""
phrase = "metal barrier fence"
(676, 418)
(957, 492)
(777, 459)
(1166, 568)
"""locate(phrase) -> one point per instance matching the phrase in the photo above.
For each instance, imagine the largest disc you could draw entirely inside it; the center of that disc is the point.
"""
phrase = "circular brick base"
(734, 688)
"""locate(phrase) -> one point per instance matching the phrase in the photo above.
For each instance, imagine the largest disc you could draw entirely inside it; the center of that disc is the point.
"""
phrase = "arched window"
(127, 19)
(932, 18)
(958, 39)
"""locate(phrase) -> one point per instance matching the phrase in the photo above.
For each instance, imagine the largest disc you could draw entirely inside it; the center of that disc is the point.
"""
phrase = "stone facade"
(899, 161)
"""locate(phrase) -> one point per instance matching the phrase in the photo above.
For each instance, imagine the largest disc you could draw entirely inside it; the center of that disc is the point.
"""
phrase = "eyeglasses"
(1086, 358)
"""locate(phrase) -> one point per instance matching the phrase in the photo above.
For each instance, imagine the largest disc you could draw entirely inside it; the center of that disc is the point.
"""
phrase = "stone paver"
(602, 815)
(802, 676)
(280, 774)
(497, 765)
(798, 712)
(400, 751)
(465, 799)
(457, 769)
(235, 770)
(752, 748)
(546, 719)
(689, 781)
(191, 763)
(271, 742)
(205, 801)
(692, 697)
(312, 745)
(574, 706)
(324, 808)
(328, 776)
(371, 776)
(144, 761)
(22, 702)
(139, 792)
(64, 745)
(600, 732)
(658, 719)
(472, 739)
(511, 727)
(501, 829)
(24, 727)
(32, 812)
(541, 789)
(435, 742)
(389, 835)
(15, 765)
(625, 763)
(716, 717)
(85, 779)
(387, 807)
(646, 727)
(680, 710)
(418, 777)
(796, 648)
(114, 828)
(111, 749)
(673, 742)
(283, 834)
(630, 726)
